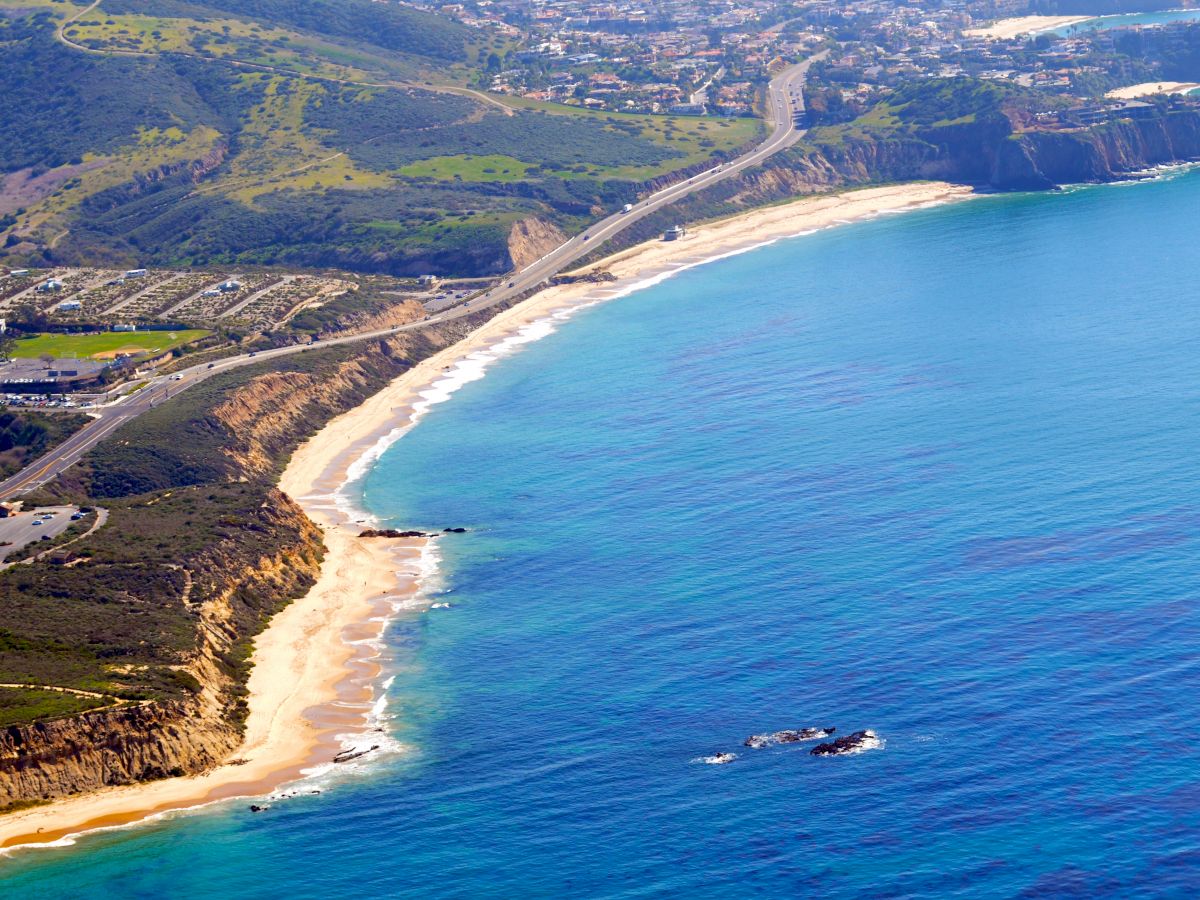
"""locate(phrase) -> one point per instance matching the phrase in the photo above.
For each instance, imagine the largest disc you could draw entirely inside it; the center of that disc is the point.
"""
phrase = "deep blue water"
(934, 475)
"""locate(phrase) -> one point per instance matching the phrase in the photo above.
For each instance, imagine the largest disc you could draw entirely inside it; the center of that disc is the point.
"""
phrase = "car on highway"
(37, 521)
(210, 365)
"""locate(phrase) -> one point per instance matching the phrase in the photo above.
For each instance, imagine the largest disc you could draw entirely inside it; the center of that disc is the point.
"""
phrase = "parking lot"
(19, 531)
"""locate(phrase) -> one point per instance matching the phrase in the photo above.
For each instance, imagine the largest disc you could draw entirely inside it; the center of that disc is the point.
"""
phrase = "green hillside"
(293, 132)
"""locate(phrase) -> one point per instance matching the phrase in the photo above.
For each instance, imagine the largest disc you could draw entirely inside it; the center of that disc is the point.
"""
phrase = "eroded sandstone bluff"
(995, 153)
(135, 740)
(225, 592)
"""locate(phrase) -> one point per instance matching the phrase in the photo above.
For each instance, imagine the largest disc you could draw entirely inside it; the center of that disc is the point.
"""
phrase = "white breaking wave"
(474, 366)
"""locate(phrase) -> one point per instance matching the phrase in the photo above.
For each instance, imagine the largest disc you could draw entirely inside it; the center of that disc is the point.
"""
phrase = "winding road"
(784, 110)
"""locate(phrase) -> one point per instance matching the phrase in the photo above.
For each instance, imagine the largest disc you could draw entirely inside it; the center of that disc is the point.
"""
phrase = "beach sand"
(1006, 29)
(314, 680)
(1149, 88)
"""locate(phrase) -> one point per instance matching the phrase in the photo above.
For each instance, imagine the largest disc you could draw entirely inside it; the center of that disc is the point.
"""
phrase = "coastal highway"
(784, 107)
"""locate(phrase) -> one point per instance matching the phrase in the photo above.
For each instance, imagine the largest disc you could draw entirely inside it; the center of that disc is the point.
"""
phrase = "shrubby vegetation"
(549, 140)
(357, 115)
(386, 25)
(944, 100)
(183, 508)
(193, 162)
(93, 105)
(19, 706)
(25, 435)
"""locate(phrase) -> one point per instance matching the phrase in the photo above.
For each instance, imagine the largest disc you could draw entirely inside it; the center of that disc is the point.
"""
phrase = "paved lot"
(18, 532)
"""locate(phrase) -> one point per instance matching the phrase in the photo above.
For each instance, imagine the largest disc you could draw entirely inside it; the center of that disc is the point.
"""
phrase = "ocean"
(933, 475)
(1103, 23)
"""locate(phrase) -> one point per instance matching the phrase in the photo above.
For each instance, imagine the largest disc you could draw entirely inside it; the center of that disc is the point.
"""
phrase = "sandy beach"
(314, 680)
(1149, 88)
(1007, 29)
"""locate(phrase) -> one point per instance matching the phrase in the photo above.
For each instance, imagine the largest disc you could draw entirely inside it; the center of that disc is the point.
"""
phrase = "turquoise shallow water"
(934, 475)
(1162, 17)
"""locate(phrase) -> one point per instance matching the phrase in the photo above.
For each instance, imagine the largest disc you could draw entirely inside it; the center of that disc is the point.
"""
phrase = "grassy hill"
(294, 132)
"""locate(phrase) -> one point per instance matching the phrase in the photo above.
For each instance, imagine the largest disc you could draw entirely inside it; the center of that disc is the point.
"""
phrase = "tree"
(8, 343)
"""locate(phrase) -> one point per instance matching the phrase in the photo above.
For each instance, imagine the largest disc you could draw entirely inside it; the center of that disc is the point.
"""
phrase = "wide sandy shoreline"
(314, 679)
(1150, 88)
(1006, 29)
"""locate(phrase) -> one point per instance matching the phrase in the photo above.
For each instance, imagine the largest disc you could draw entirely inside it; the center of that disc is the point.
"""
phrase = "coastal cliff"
(61, 757)
(532, 238)
(992, 152)
(1035, 160)
(228, 591)
(164, 630)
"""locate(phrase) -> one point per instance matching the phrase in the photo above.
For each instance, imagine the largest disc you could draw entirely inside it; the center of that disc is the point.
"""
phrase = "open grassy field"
(104, 344)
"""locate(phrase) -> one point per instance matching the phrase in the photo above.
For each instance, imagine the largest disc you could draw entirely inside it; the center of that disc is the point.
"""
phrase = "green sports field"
(105, 344)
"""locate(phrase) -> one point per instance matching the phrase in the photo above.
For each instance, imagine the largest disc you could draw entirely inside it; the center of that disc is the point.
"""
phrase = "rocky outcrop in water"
(790, 736)
(392, 533)
(859, 742)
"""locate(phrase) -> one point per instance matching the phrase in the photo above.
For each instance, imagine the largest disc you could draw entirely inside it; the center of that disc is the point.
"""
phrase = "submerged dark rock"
(392, 533)
(347, 755)
(858, 742)
(454, 531)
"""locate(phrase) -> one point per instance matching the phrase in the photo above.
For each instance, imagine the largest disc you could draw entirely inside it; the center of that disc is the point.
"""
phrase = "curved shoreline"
(314, 686)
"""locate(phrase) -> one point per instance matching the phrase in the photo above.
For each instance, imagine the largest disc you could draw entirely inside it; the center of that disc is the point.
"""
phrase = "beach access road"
(784, 114)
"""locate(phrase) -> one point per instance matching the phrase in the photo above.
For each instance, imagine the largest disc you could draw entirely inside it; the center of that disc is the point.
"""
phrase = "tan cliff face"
(143, 741)
(273, 412)
(531, 239)
(68, 756)
(398, 314)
